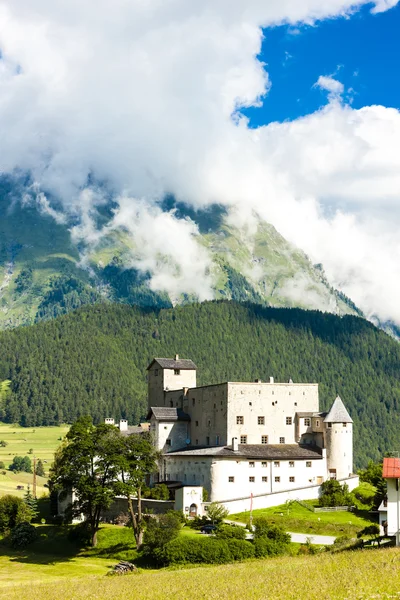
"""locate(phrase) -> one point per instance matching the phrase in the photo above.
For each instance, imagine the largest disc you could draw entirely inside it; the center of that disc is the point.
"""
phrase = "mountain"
(94, 361)
(43, 274)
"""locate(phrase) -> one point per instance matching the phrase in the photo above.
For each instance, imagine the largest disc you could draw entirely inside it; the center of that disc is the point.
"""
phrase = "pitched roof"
(266, 451)
(391, 468)
(166, 413)
(338, 413)
(171, 363)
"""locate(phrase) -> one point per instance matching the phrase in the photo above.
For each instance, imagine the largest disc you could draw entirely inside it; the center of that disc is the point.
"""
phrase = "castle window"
(252, 464)
(197, 423)
(344, 424)
(197, 442)
(177, 371)
(264, 464)
(261, 420)
(243, 439)
(209, 423)
(156, 372)
(307, 422)
(277, 479)
(291, 463)
(252, 479)
(264, 479)
(231, 479)
(264, 439)
(207, 441)
(308, 463)
(168, 442)
(281, 440)
(239, 420)
(329, 424)
(276, 463)
(291, 479)
(193, 401)
(317, 423)
(217, 440)
(288, 420)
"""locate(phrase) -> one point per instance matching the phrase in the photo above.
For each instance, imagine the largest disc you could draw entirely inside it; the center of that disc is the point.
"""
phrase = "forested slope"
(94, 361)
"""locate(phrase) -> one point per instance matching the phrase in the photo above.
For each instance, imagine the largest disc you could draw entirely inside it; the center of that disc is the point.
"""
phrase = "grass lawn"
(43, 442)
(356, 575)
(299, 519)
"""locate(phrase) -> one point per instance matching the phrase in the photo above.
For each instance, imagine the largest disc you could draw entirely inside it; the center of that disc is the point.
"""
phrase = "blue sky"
(363, 52)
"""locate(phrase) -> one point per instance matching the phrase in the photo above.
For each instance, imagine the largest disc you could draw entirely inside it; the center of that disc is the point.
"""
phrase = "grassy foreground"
(353, 575)
(43, 442)
(298, 519)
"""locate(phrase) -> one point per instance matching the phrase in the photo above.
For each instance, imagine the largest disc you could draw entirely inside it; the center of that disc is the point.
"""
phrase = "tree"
(40, 469)
(159, 531)
(138, 459)
(334, 494)
(13, 511)
(21, 463)
(89, 464)
(373, 475)
(217, 513)
(31, 503)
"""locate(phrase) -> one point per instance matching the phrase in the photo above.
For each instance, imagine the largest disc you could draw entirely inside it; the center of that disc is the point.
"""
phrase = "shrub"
(264, 529)
(240, 549)
(13, 511)
(217, 513)
(159, 532)
(23, 534)
(2, 465)
(226, 532)
(264, 546)
(334, 494)
(373, 529)
(201, 550)
(3, 444)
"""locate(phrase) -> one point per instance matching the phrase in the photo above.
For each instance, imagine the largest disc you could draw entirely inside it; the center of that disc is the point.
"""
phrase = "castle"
(239, 440)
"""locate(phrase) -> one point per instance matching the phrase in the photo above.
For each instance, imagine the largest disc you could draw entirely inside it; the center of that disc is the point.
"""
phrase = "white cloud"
(141, 95)
(331, 85)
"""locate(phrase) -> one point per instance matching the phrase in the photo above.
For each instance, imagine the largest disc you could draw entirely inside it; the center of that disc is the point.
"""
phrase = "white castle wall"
(273, 401)
(278, 498)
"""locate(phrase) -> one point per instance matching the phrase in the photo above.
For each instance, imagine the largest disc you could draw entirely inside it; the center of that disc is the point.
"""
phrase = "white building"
(242, 439)
(389, 511)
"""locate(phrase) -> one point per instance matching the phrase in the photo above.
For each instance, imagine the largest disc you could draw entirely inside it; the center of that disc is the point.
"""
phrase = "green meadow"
(63, 571)
(299, 519)
(22, 441)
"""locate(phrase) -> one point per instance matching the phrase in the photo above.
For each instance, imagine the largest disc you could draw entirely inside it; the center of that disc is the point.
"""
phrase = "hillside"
(42, 275)
(94, 361)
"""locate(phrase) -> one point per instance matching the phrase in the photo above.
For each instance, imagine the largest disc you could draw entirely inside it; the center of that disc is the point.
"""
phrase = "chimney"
(109, 421)
(271, 380)
(235, 445)
(176, 356)
(257, 381)
(123, 425)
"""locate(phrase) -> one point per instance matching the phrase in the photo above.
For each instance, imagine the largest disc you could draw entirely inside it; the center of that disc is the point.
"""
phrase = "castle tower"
(338, 435)
(169, 374)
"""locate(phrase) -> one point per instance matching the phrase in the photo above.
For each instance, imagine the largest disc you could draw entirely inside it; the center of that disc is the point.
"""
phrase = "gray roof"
(249, 451)
(132, 429)
(171, 363)
(164, 413)
(338, 413)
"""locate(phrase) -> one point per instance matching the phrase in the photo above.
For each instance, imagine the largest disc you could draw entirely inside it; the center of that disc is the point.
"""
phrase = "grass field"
(43, 442)
(299, 519)
(363, 574)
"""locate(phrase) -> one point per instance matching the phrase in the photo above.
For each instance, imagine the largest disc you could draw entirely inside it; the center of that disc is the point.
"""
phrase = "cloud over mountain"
(146, 96)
